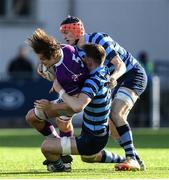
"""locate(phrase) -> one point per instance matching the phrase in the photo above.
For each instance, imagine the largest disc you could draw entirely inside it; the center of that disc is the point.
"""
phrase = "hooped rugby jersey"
(112, 48)
(96, 113)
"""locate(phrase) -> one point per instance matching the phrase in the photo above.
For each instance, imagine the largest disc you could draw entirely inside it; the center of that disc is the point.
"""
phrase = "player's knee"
(88, 159)
(51, 146)
(29, 116)
(31, 119)
(115, 116)
(44, 147)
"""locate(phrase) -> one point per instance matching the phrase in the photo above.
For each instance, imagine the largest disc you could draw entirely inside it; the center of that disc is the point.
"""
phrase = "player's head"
(95, 53)
(45, 46)
(72, 29)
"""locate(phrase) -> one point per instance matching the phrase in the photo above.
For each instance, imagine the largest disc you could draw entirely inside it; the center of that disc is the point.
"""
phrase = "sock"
(49, 130)
(54, 166)
(137, 157)
(67, 134)
(108, 157)
(126, 141)
(58, 164)
(136, 154)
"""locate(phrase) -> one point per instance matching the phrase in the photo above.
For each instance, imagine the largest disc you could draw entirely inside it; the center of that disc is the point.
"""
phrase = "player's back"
(112, 48)
(96, 113)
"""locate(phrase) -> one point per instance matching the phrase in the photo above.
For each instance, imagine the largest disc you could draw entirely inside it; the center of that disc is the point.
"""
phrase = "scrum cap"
(74, 25)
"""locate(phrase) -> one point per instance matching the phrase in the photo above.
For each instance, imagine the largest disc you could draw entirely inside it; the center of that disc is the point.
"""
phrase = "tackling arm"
(120, 67)
(77, 103)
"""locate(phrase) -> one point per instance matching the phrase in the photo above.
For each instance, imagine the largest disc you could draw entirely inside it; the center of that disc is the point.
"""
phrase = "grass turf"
(21, 157)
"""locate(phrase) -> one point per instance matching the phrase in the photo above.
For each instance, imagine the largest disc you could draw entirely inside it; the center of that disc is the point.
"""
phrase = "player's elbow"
(79, 104)
(77, 109)
(123, 68)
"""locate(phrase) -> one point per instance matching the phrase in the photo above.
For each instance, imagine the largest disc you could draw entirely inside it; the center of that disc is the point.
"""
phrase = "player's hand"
(41, 72)
(42, 104)
(112, 83)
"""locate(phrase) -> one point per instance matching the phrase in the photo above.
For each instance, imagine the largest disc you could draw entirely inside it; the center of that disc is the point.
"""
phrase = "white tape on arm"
(61, 92)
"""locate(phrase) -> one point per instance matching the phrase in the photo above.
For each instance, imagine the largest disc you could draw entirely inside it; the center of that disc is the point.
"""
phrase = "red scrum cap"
(74, 25)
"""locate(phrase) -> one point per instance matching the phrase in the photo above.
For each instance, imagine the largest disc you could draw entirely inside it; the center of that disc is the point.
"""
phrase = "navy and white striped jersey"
(112, 48)
(96, 113)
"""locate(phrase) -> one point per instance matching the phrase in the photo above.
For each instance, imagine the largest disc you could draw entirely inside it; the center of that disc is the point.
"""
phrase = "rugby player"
(71, 73)
(131, 82)
(95, 101)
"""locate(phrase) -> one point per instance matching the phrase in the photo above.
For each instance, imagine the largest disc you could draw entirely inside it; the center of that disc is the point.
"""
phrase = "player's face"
(47, 62)
(69, 37)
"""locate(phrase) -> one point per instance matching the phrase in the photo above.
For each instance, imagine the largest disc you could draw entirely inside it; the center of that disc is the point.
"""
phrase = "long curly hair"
(42, 43)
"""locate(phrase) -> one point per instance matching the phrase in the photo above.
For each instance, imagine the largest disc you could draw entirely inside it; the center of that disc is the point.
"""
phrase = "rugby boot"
(128, 165)
(56, 166)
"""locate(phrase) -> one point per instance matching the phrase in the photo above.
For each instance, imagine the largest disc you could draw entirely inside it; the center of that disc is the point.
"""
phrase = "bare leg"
(103, 156)
(113, 131)
(121, 106)
(37, 119)
(52, 148)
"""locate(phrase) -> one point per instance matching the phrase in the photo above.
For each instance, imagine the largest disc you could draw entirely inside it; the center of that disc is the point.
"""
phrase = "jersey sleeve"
(106, 41)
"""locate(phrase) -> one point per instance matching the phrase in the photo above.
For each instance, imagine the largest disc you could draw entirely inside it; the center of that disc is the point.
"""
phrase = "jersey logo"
(77, 60)
(75, 77)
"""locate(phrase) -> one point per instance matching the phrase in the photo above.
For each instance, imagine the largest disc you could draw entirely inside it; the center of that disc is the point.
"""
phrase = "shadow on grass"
(22, 173)
(41, 172)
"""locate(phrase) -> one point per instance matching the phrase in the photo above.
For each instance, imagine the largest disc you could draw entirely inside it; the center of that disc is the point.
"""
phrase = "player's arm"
(120, 67)
(119, 70)
(45, 73)
(77, 103)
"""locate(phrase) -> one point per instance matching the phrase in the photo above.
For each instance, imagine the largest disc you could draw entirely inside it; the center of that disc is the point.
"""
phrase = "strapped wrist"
(61, 92)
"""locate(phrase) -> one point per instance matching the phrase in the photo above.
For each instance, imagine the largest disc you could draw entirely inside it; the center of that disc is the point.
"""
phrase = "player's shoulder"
(98, 34)
(101, 73)
(67, 47)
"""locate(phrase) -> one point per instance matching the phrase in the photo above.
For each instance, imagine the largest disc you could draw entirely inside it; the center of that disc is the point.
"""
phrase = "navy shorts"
(135, 79)
(89, 144)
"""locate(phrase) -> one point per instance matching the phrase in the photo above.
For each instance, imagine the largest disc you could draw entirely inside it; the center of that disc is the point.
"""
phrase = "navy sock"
(67, 134)
(108, 157)
(58, 164)
(126, 141)
(48, 130)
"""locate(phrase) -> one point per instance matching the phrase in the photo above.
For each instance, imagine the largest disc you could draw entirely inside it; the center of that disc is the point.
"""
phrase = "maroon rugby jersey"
(70, 71)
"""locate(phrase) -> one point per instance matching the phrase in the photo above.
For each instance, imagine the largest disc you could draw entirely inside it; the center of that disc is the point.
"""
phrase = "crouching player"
(95, 101)
(71, 73)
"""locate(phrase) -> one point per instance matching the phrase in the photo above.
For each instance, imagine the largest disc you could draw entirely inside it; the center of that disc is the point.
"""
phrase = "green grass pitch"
(21, 158)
